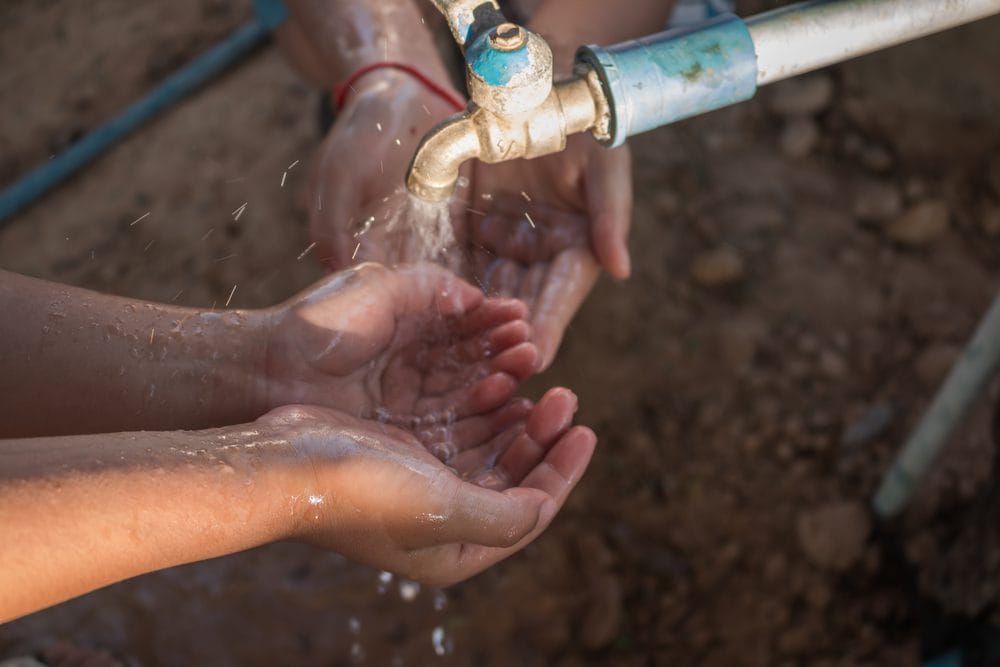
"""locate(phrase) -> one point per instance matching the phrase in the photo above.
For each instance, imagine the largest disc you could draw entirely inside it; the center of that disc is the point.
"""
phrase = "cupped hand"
(541, 229)
(374, 493)
(412, 345)
(356, 191)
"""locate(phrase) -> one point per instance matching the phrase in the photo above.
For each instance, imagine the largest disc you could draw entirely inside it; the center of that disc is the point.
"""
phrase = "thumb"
(608, 188)
(489, 518)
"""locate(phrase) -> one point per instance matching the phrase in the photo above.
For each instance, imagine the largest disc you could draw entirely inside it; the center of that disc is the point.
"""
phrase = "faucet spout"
(577, 105)
(433, 172)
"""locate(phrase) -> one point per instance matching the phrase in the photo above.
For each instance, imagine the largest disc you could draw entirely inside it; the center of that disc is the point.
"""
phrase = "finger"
(520, 361)
(478, 465)
(570, 278)
(508, 335)
(491, 313)
(491, 343)
(549, 485)
(417, 288)
(563, 465)
(475, 515)
(485, 396)
(608, 188)
(472, 432)
(448, 365)
(550, 419)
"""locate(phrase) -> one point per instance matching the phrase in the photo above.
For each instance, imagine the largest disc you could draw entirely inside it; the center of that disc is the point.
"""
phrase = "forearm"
(82, 512)
(76, 361)
(346, 35)
(568, 24)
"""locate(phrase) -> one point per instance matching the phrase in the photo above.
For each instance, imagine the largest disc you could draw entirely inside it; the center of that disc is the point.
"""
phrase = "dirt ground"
(806, 267)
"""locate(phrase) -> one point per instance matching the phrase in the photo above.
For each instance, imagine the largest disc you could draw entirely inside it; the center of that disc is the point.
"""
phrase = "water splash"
(430, 227)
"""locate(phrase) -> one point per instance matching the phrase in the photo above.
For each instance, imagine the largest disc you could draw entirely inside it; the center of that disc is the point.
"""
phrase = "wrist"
(400, 85)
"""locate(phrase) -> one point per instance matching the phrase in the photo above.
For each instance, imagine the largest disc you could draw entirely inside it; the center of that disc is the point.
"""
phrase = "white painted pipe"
(806, 36)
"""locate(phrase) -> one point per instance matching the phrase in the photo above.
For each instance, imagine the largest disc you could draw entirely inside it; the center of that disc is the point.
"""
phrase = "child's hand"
(360, 168)
(413, 346)
(373, 493)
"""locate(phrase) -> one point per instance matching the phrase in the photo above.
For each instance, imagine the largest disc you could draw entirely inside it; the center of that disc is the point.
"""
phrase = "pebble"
(921, 225)
(833, 536)
(803, 95)
(877, 201)
(666, 202)
(718, 268)
(832, 365)
(934, 363)
(604, 613)
(876, 158)
(799, 137)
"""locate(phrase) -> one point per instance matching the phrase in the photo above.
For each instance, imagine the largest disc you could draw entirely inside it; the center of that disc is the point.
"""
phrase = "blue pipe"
(269, 14)
(952, 659)
(675, 74)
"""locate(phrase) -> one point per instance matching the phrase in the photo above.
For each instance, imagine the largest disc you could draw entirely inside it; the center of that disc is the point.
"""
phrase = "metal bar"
(979, 362)
(805, 36)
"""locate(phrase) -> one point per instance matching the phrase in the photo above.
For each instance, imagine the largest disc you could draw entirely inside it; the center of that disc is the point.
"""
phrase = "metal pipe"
(806, 36)
(268, 15)
(979, 362)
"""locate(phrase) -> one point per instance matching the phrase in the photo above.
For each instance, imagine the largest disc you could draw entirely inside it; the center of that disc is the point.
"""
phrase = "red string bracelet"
(341, 92)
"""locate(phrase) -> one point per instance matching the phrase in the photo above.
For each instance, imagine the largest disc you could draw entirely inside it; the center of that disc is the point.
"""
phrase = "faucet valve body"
(509, 69)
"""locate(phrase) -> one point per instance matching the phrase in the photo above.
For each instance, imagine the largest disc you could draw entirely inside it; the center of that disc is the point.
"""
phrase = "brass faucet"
(516, 111)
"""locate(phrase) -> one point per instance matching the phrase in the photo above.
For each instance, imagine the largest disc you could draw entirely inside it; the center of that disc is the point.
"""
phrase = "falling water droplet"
(357, 653)
(408, 590)
(441, 643)
(384, 579)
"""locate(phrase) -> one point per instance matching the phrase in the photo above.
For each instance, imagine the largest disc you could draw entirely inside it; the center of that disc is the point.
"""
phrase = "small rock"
(934, 363)
(802, 96)
(718, 268)
(875, 421)
(23, 661)
(877, 202)
(799, 137)
(834, 535)
(595, 555)
(604, 613)
(921, 224)
(876, 158)
(666, 202)
(832, 365)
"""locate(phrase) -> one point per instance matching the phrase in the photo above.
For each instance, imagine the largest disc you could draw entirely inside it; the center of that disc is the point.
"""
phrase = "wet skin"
(412, 343)
(428, 468)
